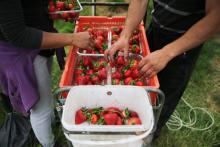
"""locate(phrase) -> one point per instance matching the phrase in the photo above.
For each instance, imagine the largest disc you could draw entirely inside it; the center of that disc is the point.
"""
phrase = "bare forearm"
(56, 40)
(196, 35)
(136, 12)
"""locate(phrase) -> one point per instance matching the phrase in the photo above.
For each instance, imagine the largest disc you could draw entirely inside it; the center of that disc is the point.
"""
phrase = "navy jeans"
(175, 76)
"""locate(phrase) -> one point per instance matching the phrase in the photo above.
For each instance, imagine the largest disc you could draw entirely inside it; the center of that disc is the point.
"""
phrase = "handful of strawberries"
(108, 116)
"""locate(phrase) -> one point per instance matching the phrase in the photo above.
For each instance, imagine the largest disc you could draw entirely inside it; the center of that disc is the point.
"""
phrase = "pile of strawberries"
(108, 116)
(101, 40)
(63, 9)
(126, 73)
(133, 42)
(90, 71)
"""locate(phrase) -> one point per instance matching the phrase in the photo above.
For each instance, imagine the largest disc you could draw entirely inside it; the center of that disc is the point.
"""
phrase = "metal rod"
(104, 4)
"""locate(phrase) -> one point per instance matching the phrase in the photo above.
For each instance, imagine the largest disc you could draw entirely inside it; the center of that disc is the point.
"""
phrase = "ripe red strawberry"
(65, 15)
(133, 121)
(94, 119)
(135, 74)
(127, 73)
(60, 5)
(80, 80)
(87, 61)
(129, 81)
(110, 118)
(113, 110)
(101, 38)
(139, 83)
(133, 114)
(135, 49)
(87, 79)
(98, 44)
(79, 71)
(116, 75)
(119, 121)
(80, 117)
(120, 60)
(102, 74)
(95, 79)
(52, 8)
(89, 72)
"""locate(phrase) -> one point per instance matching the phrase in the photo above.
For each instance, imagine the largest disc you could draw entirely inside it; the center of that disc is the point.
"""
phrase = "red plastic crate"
(102, 22)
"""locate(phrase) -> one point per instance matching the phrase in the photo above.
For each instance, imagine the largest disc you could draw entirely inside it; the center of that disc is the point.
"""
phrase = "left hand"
(153, 63)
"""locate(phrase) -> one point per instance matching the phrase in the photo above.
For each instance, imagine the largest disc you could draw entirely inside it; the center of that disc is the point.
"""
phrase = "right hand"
(83, 40)
(121, 45)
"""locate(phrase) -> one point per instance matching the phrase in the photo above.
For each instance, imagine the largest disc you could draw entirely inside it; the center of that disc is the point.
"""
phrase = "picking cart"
(149, 97)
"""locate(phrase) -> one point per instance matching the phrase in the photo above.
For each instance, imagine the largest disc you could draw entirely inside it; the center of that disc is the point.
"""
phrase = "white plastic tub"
(132, 97)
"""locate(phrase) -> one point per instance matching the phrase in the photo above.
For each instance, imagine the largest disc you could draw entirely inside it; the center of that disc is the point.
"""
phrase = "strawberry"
(133, 113)
(129, 81)
(119, 121)
(98, 44)
(94, 119)
(101, 38)
(65, 15)
(116, 75)
(87, 61)
(133, 121)
(80, 117)
(110, 118)
(120, 60)
(80, 80)
(112, 64)
(87, 79)
(79, 71)
(135, 74)
(89, 72)
(139, 83)
(102, 74)
(95, 79)
(127, 73)
(113, 109)
(52, 8)
(60, 5)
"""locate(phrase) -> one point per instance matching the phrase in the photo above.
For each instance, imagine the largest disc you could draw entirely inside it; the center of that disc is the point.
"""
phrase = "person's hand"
(153, 63)
(83, 40)
(121, 45)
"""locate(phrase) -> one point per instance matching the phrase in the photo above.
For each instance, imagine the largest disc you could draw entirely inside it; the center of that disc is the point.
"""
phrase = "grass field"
(203, 91)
